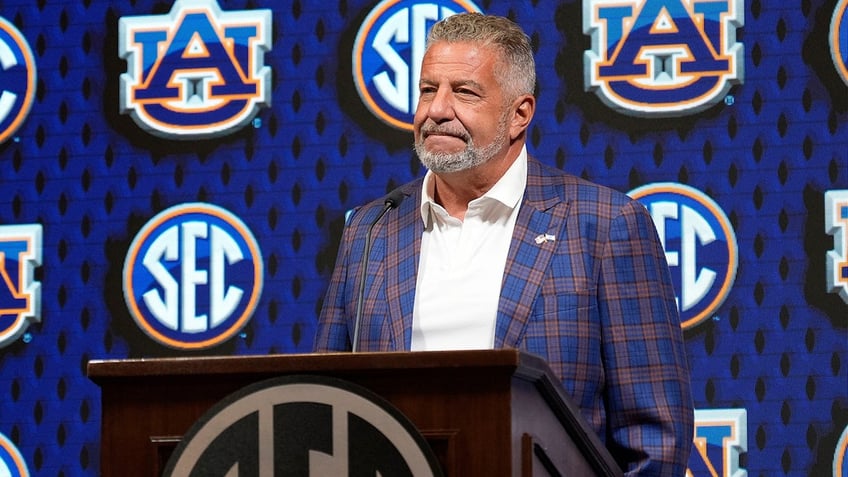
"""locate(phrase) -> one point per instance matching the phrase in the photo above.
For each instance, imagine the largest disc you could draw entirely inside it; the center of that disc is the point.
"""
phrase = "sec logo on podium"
(303, 425)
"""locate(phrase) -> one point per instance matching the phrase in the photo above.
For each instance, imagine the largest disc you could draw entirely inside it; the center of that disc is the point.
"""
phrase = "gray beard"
(470, 157)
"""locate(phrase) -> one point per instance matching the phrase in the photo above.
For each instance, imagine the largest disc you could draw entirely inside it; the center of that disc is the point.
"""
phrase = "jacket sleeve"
(332, 333)
(649, 402)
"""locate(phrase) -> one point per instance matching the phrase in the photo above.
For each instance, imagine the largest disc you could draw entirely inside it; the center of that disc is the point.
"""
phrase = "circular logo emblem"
(17, 79)
(303, 425)
(700, 246)
(387, 55)
(840, 465)
(193, 276)
(839, 39)
(11, 462)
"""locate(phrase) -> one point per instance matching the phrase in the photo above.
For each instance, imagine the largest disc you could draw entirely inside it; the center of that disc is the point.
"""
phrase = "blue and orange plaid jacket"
(595, 300)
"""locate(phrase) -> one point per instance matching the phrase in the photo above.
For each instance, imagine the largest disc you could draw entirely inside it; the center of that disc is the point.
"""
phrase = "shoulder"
(544, 181)
(407, 196)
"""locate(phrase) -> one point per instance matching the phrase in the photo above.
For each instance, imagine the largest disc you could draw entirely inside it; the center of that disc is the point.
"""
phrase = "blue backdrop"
(91, 159)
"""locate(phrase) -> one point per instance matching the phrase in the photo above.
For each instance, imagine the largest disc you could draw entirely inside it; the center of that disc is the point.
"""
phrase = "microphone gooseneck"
(392, 201)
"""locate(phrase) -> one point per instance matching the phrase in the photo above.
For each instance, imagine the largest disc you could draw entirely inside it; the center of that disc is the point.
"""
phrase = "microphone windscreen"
(394, 198)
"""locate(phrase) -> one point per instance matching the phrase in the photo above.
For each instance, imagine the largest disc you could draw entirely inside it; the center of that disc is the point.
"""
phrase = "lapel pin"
(542, 238)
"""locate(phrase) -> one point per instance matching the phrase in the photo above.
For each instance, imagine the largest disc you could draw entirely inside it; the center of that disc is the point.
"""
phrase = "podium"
(483, 413)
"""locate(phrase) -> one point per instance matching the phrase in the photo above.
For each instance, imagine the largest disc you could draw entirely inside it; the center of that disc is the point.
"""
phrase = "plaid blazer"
(595, 300)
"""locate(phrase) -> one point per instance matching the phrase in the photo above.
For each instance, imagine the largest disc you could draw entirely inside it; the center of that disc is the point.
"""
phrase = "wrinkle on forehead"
(468, 61)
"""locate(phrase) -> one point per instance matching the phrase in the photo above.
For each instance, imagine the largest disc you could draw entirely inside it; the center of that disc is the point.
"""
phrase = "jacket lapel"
(403, 243)
(539, 225)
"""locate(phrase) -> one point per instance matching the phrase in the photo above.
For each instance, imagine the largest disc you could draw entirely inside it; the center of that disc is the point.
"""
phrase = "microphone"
(392, 201)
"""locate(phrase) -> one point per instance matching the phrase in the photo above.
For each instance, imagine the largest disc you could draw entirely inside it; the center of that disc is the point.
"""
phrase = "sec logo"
(11, 462)
(700, 246)
(840, 464)
(193, 276)
(303, 425)
(387, 55)
(17, 79)
(839, 39)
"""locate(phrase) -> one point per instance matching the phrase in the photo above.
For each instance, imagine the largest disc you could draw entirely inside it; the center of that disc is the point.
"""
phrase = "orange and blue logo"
(721, 437)
(196, 72)
(839, 39)
(12, 463)
(17, 79)
(840, 464)
(193, 276)
(662, 58)
(836, 224)
(20, 293)
(387, 55)
(700, 246)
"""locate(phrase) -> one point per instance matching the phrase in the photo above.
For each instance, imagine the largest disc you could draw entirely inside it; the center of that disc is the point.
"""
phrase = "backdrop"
(175, 176)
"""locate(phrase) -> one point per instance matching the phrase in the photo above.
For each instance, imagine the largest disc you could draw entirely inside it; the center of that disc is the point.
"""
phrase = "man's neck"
(455, 190)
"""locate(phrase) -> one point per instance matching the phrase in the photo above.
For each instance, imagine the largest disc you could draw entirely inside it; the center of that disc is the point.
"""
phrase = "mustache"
(430, 129)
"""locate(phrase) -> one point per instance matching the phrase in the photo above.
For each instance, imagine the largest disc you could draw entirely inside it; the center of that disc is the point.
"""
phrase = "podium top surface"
(511, 360)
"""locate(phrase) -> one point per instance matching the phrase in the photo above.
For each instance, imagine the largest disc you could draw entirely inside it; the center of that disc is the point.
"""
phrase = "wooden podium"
(483, 413)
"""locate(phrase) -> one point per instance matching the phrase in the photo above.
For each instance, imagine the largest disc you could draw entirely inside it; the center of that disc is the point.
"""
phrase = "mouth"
(427, 132)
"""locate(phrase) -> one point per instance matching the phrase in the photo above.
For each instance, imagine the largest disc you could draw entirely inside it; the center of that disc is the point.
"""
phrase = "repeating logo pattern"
(20, 293)
(197, 72)
(387, 55)
(721, 436)
(57, 148)
(17, 79)
(12, 464)
(700, 246)
(836, 224)
(839, 39)
(193, 276)
(305, 425)
(662, 57)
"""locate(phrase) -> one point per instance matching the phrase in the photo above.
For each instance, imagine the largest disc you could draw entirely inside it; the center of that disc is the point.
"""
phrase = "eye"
(467, 92)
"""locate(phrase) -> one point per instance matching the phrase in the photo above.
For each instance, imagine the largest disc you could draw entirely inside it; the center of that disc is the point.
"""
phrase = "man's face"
(461, 119)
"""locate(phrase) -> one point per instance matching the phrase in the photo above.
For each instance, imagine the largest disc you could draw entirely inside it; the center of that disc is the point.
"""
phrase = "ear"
(524, 107)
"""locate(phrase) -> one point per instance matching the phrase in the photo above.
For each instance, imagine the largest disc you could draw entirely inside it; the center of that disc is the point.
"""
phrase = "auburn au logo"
(20, 293)
(196, 72)
(721, 437)
(662, 57)
(836, 224)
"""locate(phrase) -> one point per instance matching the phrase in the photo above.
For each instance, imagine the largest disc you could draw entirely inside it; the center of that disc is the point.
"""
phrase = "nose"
(439, 105)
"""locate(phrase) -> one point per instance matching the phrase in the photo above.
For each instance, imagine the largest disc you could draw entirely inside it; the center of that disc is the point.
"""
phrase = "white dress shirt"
(461, 266)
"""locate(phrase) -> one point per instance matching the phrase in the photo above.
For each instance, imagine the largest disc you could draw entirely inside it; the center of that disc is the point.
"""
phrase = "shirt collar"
(508, 190)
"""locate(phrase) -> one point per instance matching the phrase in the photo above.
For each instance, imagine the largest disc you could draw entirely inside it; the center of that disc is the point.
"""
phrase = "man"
(493, 249)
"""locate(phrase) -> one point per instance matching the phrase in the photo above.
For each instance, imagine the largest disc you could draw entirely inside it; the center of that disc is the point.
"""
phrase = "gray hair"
(518, 73)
